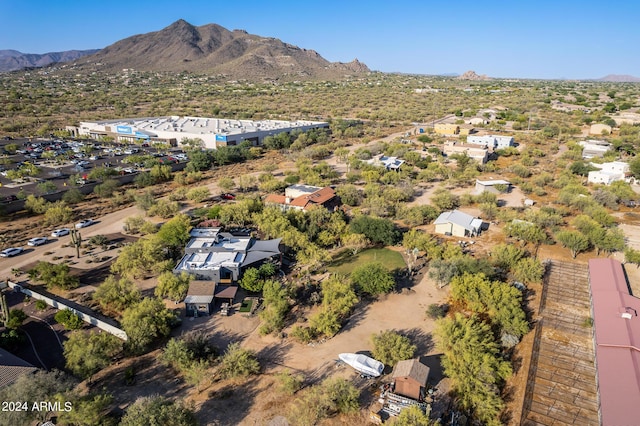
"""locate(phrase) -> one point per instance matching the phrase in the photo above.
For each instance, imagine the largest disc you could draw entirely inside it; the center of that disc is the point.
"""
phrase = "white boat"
(363, 364)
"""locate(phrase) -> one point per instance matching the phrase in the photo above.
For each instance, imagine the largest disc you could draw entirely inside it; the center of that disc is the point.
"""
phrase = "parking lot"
(56, 160)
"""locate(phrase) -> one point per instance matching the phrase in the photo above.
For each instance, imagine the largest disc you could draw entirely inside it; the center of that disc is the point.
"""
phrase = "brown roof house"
(410, 378)
(12, 367)
(305, 197)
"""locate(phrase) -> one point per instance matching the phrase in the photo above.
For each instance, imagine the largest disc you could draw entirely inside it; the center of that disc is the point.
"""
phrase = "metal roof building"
(214, 132)
(617, 343)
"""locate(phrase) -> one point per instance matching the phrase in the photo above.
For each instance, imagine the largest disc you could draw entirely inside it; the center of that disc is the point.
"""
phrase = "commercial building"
(214, 132)
(617, 343)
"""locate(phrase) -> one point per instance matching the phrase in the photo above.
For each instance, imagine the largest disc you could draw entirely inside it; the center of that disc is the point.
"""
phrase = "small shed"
(199, 300)
(410, 379)
(496, 186)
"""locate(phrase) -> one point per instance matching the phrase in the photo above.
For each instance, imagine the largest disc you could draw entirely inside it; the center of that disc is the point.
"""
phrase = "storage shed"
(410, 378)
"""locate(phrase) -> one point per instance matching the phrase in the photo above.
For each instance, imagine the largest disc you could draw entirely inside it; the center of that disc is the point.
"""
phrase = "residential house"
(389, 163)
(600, 129)
(491, 141)
(594, 148)
(609, 172)
(466, 129)
(458, 224)
(496, 186)
(12, 367)
(446, 128)
(475, 152)
(410, 379)
(221, 256)
(304, 197)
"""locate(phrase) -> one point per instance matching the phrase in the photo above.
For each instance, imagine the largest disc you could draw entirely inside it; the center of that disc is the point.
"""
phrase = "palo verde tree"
(87, 353)
(471, 358)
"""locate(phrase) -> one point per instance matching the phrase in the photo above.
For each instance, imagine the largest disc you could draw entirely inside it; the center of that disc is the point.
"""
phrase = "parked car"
(227, 196)
(12, 251)
(60, 232)
(84, 223)
(37, 241)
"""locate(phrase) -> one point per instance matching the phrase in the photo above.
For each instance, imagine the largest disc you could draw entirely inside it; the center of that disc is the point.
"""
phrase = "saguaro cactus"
(76, 240)
(4, 308)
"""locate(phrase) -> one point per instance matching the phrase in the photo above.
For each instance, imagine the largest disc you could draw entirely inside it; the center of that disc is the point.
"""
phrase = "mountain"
(471, 75)
(614, 78)
(12, 60)
(216, 50)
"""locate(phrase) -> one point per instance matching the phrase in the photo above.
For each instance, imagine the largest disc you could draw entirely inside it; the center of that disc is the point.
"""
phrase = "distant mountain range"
(614, 78)
(12, 60)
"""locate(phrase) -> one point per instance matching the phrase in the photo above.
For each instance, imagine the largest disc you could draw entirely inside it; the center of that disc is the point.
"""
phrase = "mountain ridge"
(212, 48)
(13, 60)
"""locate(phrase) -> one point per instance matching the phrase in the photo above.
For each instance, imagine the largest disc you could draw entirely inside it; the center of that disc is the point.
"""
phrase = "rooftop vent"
(626, 315)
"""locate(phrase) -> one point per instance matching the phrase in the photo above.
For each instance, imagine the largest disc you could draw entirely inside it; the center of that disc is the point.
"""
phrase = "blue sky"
(526, 39)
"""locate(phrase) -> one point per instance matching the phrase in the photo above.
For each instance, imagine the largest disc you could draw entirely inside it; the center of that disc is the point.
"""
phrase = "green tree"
(276, 306)
(87, 353)
(500, 301)
(58, 213)
(528, 270)
(164, 209)
(54, 275)
(238, 362)
(506, 256)
(632, 256)
(331, 397)
(40, 386)
(35, 204)
(141, 258)
(199, 161)
(251, 280)
(471, 358)
(198, 194)
(377, 230)
(411, 416)
(445, 200)
(106, 188)
(372, 278)
(156, 410)
(16, 318)
(175, 233)
(172, 286)
(146, 321)
(69, 319)
(226, 183)
(115, 295)
(574, 241)
(389, 347)
(89, 410)
(289, 383)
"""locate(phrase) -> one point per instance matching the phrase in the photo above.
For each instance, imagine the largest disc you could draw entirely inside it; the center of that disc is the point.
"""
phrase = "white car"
(60, 232)
(37, 241)
(84, 223)
(12, 251)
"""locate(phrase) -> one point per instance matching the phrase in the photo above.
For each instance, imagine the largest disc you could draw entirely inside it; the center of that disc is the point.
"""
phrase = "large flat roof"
(617, 342)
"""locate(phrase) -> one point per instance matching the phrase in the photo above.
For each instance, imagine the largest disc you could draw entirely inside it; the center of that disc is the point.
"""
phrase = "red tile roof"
(319, 197)
(617, 340)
